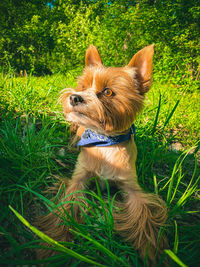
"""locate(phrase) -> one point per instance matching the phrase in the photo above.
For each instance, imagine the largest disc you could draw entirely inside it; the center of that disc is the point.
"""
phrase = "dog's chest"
(113, 162)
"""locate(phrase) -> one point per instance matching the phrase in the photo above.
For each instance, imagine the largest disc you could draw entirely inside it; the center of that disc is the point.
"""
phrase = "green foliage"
(25, 39)
(97, 215)
(54, 243)
(53, 37)
(34, 150)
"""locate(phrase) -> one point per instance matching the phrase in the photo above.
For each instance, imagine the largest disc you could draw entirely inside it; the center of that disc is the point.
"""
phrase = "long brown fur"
(139, 220)
(140, 215)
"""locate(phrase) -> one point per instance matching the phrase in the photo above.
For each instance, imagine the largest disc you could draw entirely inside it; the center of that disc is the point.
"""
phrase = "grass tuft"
(34, 152)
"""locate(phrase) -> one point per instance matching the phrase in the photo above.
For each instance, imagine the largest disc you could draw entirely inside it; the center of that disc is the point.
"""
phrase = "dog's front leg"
(52, 223)
(139, 220)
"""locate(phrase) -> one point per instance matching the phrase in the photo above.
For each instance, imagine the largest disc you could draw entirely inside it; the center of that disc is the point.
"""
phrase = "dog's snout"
(76, 100)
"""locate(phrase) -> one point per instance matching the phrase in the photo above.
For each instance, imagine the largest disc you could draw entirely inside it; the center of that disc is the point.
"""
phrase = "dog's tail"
(140, 217)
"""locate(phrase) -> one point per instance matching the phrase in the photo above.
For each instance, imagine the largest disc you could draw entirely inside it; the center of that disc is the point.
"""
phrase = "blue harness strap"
(90, 138)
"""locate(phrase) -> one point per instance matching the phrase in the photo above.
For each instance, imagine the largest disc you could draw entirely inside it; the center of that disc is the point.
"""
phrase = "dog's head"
(108, 99)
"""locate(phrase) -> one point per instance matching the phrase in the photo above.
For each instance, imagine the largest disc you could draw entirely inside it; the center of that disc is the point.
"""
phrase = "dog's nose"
(75, 99)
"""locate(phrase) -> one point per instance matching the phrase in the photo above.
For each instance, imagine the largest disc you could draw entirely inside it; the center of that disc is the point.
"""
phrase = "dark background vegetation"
(50, 36)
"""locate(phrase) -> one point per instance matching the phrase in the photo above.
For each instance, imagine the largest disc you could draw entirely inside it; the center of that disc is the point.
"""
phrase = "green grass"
(34, 151)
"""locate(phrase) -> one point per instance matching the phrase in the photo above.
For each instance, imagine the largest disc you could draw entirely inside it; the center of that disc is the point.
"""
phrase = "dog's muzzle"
(76, 100)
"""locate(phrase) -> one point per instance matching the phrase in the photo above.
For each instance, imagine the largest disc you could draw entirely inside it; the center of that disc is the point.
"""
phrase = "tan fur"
(140, 215)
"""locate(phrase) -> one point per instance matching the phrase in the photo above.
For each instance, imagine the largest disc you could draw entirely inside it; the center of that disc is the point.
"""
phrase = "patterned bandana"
(90, 138)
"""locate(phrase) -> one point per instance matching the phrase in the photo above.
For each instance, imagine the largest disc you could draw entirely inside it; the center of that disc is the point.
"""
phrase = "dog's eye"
(108, 92)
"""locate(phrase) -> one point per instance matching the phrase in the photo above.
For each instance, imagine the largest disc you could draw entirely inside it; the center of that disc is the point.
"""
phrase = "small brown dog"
(104, 106)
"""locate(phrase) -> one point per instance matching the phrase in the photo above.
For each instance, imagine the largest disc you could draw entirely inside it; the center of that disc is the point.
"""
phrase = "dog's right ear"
(142, 61)
(92, 57)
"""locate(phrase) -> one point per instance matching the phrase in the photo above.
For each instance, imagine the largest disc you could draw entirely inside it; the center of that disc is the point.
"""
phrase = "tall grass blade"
(171, 113)
(100, 247)
(155, 184)
(174, 258)
(157, 115)
(52, 242)
(176, 239)
(176, 170)
(187, 194)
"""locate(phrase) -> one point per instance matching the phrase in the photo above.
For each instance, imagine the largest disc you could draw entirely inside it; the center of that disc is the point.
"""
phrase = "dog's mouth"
(82, 119)
(75, 116)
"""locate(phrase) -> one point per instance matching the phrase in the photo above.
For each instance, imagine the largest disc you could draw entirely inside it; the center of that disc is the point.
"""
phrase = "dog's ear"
(142, 61)
(92, 57)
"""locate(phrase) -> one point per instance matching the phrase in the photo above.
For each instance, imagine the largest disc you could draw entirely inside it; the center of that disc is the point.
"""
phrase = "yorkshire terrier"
(104, 105)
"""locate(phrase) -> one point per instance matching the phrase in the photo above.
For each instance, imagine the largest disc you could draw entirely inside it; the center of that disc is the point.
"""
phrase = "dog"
(104, 105)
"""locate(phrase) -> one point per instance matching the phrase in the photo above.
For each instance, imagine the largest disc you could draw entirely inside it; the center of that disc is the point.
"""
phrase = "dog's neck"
(91, 138)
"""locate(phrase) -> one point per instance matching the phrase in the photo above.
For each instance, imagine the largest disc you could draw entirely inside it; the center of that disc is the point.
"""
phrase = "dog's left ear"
(142, 61)
(92, 57)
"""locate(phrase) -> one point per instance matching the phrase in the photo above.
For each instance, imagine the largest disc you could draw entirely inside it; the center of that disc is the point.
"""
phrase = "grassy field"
(34, 151)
